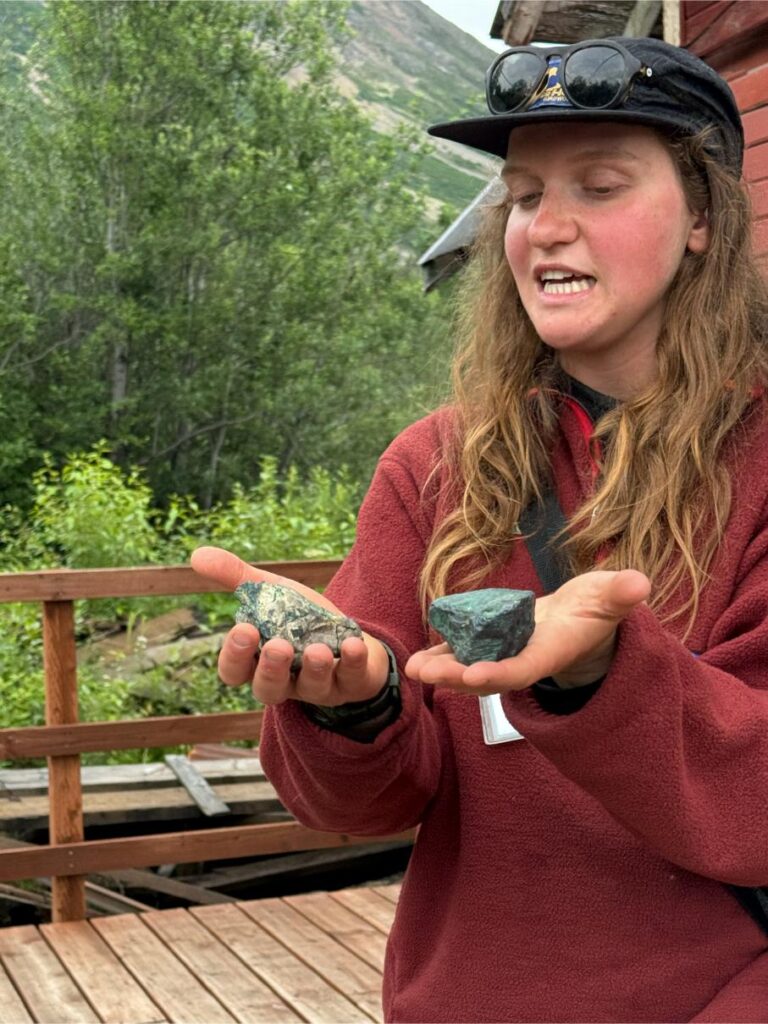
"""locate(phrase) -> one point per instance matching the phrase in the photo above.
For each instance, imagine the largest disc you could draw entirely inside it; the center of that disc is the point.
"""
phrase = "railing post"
(64, 789)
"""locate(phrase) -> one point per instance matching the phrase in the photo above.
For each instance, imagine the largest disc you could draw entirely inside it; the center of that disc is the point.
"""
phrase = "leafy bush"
(90, 514)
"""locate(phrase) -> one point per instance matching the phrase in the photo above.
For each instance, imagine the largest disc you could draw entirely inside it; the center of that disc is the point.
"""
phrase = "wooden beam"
(643, 18)
(143, 581)
(173, 848)
(671, 17)
(66, 797)
(520, 28)
(88, 737)
(194, 783)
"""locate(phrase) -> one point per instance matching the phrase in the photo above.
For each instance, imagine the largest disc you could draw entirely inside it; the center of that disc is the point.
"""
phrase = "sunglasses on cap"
(592, 76)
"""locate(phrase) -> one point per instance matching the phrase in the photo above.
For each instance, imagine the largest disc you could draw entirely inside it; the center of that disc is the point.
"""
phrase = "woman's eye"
(601, 190)
(526, 200)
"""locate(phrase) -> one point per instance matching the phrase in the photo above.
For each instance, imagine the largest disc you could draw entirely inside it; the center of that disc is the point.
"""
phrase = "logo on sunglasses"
(551, 94)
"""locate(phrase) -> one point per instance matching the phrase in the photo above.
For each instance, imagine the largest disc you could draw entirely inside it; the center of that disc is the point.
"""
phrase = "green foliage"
(88, 508)
(291, 519)
(90, 514)
(202, 248)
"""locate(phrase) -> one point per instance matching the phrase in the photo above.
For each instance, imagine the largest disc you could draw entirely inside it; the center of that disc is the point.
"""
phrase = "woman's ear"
(698, 239)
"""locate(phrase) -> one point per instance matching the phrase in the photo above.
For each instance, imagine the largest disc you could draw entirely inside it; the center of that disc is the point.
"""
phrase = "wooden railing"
(69, 857)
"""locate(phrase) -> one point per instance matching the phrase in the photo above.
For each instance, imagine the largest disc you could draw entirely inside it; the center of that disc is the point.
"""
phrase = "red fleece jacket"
(575, 875)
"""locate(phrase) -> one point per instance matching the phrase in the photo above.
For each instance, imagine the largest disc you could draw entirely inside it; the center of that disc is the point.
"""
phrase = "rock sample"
(484, 625)
(280, 611)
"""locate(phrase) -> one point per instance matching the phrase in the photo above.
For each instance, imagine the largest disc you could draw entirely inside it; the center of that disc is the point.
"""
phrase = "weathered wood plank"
(50, 993)
(756, 163)
(341, 968)
(741, 57)
(44, 741)
(751, 90)
(235, 986)
(756, 125)
(342, 925)
(372, 907)
(303, 989)
(142, 581)
(104, 808)
(147, 851)
(197, 787)
(643, 17)
(295, 863)
(108, 986)
(169, 984)
(698, 19)
(34, 781)
(12, 1009)
(734, 22)
(180, 890)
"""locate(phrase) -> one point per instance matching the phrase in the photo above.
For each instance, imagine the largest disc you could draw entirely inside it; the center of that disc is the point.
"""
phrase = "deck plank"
(372, 907)
(301, 987)
(11, 1006)
(109, 987)
(315, 957)
(341, 968)
(168, 982)
(241, 991)
(390, 892)
(341, 924)
(49, 992)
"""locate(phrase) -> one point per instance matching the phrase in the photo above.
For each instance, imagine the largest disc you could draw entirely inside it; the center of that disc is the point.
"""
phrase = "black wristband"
(344, 717)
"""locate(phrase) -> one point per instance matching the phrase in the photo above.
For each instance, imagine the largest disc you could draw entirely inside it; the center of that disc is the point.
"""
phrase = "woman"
(575, 867)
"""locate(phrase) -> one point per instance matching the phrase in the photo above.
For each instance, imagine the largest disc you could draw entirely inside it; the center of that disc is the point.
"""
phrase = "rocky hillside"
(406, 63)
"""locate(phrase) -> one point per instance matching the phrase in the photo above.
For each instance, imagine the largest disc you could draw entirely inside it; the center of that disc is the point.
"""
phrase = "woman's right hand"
(359, 674)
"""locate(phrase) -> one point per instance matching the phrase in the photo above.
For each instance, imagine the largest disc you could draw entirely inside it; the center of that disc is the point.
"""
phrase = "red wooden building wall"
(732, 36)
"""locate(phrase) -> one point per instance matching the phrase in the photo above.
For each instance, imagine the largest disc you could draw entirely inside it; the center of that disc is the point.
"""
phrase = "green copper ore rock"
(484, 625)
(280, 611)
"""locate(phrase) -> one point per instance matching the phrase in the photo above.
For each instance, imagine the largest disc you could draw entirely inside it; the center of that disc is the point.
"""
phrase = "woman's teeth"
(556, 283)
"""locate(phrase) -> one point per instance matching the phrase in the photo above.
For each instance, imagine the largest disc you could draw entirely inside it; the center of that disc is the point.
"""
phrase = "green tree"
(202, 248)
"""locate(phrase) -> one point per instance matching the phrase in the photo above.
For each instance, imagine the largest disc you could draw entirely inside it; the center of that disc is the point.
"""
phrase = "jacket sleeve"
(334, 783)
(675, 745)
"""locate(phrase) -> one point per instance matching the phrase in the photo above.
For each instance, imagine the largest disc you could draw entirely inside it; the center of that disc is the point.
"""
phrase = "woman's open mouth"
(563, 282)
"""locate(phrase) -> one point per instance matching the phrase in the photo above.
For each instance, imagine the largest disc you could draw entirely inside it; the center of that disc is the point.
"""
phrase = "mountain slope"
(405, 63)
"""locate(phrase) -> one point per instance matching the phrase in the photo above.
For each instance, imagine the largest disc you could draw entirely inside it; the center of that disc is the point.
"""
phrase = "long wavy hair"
(664, 493)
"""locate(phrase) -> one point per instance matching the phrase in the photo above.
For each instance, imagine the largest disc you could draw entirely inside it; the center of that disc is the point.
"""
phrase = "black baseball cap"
(679, 94)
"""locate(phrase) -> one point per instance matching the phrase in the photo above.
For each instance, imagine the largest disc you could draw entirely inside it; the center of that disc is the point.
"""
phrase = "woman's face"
(597, 229)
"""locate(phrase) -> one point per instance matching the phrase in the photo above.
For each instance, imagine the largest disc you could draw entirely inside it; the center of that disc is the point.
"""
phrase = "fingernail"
(274, 656)
(239, 640)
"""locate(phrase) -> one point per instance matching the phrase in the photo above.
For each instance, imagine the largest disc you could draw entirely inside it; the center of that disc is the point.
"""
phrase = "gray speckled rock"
(280, 611)
(484, 625)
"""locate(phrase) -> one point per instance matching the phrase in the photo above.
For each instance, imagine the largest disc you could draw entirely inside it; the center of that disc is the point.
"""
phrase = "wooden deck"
(312, 957)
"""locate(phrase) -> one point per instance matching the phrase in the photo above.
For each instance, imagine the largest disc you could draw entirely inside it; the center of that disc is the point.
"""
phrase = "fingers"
(435, 666)
(273, 682)
(229, 571)
(315, 681)
(223, 567)
(352, 668)
(237, 658)
(627, 589)
(600, 595)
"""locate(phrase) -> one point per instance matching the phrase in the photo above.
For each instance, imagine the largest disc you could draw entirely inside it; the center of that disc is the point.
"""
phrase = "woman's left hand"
(573, 640)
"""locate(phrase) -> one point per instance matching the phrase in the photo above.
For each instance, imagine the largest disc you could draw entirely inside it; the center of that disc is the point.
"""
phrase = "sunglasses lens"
(513, 81)
(595, 76)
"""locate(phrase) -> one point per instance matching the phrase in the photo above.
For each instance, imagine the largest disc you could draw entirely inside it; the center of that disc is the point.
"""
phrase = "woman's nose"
(554, 222)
